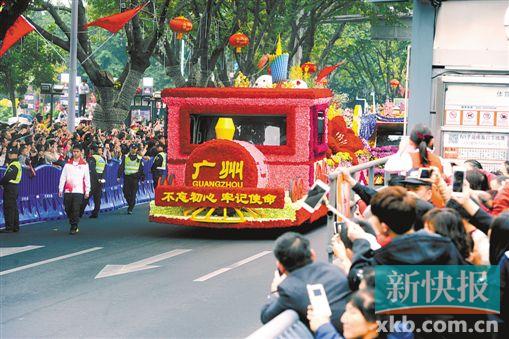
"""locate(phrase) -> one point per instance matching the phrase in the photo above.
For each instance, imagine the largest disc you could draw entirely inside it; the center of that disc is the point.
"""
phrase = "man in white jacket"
(74, 186)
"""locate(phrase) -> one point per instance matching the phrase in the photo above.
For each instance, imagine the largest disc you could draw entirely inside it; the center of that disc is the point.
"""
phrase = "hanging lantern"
(238, 40)
(394, 83)
(181, 26)
(308, 67)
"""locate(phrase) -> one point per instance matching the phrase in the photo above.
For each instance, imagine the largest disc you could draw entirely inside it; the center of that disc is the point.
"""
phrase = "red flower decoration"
(343, 139)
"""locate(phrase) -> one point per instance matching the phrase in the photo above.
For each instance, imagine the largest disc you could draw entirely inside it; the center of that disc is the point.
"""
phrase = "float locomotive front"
(242, 157)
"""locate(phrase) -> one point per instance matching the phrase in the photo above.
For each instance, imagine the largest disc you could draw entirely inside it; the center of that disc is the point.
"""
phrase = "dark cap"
(134, 145)
(411, 181)
(12, 150)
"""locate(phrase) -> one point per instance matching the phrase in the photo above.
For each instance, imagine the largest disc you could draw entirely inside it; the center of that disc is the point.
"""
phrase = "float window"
(320, 126)
(267, 130)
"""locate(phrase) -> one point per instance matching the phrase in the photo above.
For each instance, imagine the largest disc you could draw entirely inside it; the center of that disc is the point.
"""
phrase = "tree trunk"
(105, 102)
(113, 106)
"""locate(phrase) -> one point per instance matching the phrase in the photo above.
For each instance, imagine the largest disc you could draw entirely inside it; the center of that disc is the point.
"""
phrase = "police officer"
(132, 170)
(10, 182)
(97, 165)
(158, 168)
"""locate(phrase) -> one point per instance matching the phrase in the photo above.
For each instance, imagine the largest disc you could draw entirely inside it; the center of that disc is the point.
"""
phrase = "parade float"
(245, 156)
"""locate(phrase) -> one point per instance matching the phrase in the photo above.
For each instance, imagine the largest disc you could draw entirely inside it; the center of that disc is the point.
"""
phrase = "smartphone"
(315, 196)
(341, 228)
(458, 178)
(318, 300)
(425, 173)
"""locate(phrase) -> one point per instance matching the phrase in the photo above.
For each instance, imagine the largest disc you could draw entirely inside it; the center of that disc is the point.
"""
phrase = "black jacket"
(158, 162)
(293, 292)
(418, 248)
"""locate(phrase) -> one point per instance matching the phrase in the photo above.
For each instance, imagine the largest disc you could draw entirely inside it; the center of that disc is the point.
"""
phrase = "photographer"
(296, 268)
(393, 210)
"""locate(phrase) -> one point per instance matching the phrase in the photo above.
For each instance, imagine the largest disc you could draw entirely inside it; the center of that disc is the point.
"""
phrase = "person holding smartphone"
(359, 319)
(297, 261)
(415, 151)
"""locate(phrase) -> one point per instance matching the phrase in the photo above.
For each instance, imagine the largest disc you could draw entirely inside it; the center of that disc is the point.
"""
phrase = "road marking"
(5, 251)
(145, 264)
(39, 263)
(231, 267)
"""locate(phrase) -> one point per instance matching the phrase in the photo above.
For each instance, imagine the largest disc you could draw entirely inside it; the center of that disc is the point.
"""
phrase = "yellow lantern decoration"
(225, 129)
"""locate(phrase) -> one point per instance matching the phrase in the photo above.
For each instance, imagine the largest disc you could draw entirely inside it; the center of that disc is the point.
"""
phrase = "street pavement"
(163, 280)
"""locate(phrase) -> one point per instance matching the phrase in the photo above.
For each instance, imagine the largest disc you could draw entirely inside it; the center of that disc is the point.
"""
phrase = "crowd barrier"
(285, 325)
(38, 198)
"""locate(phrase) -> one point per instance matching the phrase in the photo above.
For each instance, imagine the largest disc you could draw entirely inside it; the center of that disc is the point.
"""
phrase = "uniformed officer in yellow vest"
(132, 170)
(97, 165)
(10, 182)
(158, 168)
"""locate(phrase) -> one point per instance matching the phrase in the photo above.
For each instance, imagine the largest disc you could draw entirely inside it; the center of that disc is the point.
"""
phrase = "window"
(320, 126)
(267, 130)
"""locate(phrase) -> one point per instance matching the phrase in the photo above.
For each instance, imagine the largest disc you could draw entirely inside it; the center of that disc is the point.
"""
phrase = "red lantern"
(394, 83)
(238, 40)
(308, 67)
(180, 25)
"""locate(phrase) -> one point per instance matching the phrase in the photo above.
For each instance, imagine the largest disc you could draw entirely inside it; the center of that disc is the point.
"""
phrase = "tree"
(142, 37)
(9, 13)
(370, 64)
(26, 64)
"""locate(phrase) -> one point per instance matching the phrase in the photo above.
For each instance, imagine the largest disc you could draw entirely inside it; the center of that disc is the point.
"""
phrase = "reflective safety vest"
(16, 164)
(132, 166)
(163, 165)
(100, 163)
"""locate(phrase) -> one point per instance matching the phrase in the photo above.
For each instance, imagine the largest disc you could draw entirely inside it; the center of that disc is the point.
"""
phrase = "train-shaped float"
(242, 157)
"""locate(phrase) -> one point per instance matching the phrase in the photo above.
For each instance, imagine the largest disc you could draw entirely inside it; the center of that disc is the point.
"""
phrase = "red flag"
(116, 22)
(19, 29)
(327, 70)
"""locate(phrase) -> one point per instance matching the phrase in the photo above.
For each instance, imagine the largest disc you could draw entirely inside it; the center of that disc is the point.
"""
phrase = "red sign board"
(220, 197)
(221, 164)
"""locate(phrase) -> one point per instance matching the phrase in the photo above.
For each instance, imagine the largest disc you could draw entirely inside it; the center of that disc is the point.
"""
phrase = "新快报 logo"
(437, 289)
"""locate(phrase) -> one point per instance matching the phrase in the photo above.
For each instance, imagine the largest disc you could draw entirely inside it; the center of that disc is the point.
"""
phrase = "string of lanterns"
(181, 25)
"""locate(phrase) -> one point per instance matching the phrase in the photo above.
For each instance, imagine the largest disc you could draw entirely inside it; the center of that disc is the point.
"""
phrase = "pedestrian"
(158, 168)
(296, 268)
(10, 182)
(74, 186)
(132, 170)
(83, 91)
(97, 165)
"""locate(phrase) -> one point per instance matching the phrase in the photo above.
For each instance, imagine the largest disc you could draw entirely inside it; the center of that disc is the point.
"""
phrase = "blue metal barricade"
(38, 195)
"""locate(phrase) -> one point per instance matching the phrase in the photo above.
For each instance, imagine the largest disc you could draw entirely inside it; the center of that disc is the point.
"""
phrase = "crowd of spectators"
(412, 221)
(40, 143)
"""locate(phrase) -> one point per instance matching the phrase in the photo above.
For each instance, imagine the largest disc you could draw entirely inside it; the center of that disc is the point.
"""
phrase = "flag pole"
(182, 57)
(73, 66)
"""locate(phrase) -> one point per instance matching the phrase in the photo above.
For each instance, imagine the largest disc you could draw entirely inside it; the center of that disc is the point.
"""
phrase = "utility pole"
(73, 66)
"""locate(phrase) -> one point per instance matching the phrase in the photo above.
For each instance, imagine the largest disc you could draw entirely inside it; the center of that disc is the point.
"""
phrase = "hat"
(134, 145)
(95, 147)
(411, 181)
(12, 150)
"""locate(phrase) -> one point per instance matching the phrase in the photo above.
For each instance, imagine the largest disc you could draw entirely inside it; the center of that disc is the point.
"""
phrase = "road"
(169, 281)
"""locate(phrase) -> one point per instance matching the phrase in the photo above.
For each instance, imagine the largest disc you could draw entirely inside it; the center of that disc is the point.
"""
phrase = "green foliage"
(29, 63)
